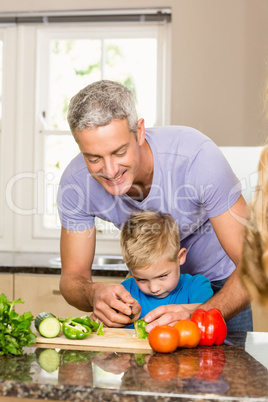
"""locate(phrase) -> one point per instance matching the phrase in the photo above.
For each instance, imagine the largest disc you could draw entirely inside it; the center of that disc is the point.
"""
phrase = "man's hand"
(169, 314)
(109, 303)
(115, 363)
(113, 305)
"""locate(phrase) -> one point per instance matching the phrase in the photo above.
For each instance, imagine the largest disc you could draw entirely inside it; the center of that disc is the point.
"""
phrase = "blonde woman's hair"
(254, 263)
(148, 236)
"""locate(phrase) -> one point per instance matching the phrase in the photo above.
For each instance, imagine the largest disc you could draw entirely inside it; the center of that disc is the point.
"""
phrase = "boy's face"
(160, 278)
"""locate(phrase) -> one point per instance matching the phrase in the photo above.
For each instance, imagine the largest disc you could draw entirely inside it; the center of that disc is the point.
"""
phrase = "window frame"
(7, 125)
(22, 210)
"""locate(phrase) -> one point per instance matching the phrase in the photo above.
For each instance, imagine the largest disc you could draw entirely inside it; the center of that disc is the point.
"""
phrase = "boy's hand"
(169, 314)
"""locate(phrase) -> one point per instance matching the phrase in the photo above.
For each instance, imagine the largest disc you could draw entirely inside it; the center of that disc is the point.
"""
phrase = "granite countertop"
(236, 370)
(49, 263)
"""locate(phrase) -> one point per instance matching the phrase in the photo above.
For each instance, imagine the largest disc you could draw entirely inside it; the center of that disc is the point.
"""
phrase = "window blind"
(148, 15)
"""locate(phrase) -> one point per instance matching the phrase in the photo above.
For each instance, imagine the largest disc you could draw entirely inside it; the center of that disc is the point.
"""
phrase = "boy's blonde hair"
(148, 236)
(254, 263)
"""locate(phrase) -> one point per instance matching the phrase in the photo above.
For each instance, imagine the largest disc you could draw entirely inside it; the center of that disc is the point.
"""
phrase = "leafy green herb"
(15, 329)
(17, 368)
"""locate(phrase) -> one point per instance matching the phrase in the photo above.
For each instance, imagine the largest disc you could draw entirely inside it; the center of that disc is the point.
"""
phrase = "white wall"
(244, 163)
(219, 62)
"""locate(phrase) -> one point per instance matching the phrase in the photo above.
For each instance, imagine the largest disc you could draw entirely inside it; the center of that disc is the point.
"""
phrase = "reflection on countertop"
(50, 263)
(226, 372)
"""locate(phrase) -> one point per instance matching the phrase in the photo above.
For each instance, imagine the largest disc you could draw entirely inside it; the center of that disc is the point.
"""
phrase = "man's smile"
(113, 180)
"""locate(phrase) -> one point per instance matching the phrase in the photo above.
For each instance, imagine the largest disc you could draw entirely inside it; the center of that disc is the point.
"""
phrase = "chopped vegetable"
(47, 325)
(74, 330)
(49, 360)
(15, 329)
(85, 320)
(73, 356)
(80, 327)
(212, 326)
(140, 359)
(139, 326)
(100, 330)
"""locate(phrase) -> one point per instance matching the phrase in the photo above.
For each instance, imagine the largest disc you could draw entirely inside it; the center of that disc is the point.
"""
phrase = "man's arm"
(76, 285)
(232, 298)
(77, 254)
(229, 228)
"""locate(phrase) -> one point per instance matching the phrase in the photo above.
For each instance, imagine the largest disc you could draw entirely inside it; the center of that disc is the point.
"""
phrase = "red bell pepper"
(212, 326)
(212, 362)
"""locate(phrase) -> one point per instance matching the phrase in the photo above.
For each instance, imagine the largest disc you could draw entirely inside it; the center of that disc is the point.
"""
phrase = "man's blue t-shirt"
(190, 289)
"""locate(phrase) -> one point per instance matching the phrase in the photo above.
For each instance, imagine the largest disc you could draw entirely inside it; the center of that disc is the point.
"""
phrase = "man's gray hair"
(99, 103)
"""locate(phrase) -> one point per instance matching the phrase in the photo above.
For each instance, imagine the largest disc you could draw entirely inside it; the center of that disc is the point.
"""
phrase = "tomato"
(164, 339)
(163, 367)
(188, 364)
(189, 333)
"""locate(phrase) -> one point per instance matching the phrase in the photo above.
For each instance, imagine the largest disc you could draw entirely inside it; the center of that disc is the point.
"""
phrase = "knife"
(131, 316)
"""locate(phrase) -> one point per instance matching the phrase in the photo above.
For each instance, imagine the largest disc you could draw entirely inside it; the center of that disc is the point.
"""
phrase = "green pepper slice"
(85, 320)
(139, 326)
(100, 330)
(140, 359)
(75, 330)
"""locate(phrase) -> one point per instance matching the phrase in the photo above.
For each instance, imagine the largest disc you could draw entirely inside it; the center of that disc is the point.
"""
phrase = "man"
(123, 167)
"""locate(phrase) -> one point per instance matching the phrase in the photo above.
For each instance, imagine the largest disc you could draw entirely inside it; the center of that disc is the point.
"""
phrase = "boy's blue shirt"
(190, 289)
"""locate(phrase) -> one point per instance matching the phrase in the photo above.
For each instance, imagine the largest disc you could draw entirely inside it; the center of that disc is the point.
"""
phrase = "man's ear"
(182, 256)
(141, 132)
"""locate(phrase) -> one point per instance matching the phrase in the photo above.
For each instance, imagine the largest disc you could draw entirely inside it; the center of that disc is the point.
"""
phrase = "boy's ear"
(182, 256)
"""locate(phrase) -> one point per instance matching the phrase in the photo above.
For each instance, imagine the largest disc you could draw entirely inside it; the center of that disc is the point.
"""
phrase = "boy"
(150, 244)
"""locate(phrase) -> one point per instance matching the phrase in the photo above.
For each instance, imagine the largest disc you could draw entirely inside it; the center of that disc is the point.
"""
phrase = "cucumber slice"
(47, 325)
(49, 360)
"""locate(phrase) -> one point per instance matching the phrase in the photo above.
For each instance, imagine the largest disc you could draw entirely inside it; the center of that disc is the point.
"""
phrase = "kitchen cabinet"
(6, 285)
(41, 293)
(260, 317)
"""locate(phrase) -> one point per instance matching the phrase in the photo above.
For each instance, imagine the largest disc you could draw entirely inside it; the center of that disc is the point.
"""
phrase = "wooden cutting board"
(120, 339)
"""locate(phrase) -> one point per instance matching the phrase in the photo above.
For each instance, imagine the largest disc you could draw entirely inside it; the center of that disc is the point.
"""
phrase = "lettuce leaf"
(15, 329)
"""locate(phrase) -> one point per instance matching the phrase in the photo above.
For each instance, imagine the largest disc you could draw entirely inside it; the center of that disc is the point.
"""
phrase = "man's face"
(112, 154)
(159, 279)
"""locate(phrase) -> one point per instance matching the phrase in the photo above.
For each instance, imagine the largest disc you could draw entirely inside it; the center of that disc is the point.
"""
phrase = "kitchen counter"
(49, 263)
(234, 371)
(35, 278)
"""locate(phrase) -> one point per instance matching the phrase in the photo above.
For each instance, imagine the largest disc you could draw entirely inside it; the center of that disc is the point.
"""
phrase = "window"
(1, 137)
(1, 74)
(54, 63)
(7, 131)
